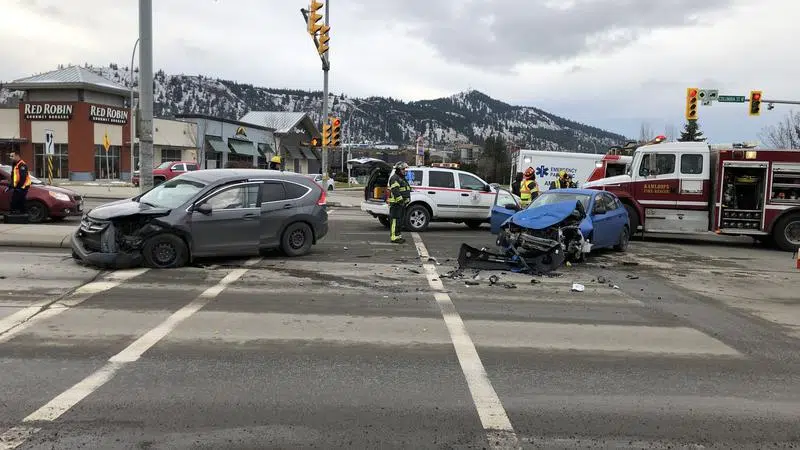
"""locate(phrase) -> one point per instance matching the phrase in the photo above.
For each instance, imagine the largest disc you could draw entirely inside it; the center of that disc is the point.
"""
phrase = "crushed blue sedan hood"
(544, 216)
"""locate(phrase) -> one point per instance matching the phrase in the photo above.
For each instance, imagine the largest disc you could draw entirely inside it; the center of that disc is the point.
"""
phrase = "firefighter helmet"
(275, 159)
(562, 173)
(402, 165)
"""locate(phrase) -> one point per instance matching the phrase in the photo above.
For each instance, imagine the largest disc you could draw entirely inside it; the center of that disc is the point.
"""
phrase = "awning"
(264, 149)
(308, 153)
(293, 152)
(243, 147)
(216, 144)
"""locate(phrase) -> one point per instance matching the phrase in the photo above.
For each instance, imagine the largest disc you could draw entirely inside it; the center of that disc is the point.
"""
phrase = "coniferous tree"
(691, 132)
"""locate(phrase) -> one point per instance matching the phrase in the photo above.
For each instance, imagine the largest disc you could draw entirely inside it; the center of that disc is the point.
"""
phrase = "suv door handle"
(464, 194)
(250, 216)
(431, 192)
(287, 206)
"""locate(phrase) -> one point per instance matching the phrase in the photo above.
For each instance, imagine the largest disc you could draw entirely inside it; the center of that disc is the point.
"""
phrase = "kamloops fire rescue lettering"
(656, 189)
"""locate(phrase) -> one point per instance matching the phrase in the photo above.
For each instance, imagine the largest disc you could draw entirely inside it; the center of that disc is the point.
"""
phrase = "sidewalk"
(40, 236)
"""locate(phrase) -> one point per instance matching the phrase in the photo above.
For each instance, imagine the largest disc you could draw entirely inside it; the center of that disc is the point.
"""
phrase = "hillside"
(464, 117)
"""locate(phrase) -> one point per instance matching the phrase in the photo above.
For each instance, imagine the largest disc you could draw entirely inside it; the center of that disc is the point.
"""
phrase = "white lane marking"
(499, 432)
(14, 437)
(21, 320)
(56, 407)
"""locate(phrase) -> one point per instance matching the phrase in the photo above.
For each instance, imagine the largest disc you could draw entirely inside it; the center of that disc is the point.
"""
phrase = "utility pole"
(133, 117)
(146, 94)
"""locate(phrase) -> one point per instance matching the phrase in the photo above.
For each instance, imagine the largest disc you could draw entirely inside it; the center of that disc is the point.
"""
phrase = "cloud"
(499, 34)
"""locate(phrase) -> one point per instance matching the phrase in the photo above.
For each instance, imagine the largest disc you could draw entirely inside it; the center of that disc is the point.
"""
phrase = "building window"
(171, 154)
(106, 165)
(60, 161)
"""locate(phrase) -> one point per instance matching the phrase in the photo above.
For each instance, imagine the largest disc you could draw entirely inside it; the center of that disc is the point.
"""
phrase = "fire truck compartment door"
(675, 220)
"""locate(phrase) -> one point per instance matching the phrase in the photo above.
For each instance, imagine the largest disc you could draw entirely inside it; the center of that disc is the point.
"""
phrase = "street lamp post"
(133, 111)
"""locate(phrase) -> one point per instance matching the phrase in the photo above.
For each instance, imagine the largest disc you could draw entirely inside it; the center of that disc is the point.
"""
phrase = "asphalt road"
(364, 345)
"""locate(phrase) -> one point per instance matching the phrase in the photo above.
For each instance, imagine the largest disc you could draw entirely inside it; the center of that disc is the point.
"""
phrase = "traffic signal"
(324, 37)
(336, 127)
(316, 142)
(326, 135)
(314, 17)
(691, 103)
(755, 103)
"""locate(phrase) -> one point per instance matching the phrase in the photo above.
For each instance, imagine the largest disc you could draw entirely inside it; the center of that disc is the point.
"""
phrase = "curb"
(64, 243)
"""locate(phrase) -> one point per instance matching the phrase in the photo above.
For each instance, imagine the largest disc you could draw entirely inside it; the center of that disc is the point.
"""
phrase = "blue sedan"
(605, 224)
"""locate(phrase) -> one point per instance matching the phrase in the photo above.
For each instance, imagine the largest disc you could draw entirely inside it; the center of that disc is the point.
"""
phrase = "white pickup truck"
(438, 195)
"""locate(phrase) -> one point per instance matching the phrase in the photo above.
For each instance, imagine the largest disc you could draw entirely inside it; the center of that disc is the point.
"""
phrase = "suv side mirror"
(203, 208)
(487, 188)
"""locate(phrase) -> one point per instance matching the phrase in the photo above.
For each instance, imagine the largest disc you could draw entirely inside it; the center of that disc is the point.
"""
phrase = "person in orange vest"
(20, 182)
(529, 188)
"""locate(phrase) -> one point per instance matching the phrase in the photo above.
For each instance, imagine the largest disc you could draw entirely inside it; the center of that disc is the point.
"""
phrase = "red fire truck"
(688, 187)
(610, 166)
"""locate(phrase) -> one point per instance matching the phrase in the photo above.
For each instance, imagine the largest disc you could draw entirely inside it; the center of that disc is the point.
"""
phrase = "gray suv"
(208, 213)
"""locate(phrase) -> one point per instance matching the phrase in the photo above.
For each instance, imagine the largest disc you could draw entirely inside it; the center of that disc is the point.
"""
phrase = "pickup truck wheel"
(384, 221)
(165, 251)
(37, 211)
(474, 224)
(787, 233)
(417, 218)
(633, 219)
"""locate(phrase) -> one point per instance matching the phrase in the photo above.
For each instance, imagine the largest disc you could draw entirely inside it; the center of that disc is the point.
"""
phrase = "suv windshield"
(173, 193)
(548, 198)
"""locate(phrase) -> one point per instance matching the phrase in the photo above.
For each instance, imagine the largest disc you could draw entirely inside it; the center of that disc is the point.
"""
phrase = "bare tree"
(785, 134)
(671, 132)
(645, 132)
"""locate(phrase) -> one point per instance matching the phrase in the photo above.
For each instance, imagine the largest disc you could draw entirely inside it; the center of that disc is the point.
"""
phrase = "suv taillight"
(323, 198)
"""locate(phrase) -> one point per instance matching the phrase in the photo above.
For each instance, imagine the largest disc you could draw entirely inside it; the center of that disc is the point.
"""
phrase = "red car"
(167, 171)
(43, 201)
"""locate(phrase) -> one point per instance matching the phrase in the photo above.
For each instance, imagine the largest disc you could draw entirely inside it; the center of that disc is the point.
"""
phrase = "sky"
(614, 64)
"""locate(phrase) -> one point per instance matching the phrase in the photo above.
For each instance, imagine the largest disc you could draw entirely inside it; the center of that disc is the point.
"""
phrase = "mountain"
(464, 117)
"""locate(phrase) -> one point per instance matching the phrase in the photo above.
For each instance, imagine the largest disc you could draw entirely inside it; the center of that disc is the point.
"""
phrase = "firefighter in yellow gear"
(529, 188)
(564, 181)
(275, 163)
(399, 198)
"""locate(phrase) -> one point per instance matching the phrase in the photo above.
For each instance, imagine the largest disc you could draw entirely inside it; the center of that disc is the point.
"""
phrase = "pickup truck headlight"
(59, 196)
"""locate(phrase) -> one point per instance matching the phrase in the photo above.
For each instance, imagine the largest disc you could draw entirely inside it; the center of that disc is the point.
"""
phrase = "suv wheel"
(417, 218)
(165, 251)
(297, 239)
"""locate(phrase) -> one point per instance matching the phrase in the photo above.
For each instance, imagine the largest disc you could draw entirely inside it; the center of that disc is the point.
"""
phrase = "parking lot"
(366, 344)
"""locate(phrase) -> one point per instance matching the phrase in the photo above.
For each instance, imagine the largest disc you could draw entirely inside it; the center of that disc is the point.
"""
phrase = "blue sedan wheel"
(624, 239)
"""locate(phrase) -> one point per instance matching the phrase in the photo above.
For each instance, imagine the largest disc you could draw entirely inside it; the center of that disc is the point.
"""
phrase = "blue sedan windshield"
(548, 198)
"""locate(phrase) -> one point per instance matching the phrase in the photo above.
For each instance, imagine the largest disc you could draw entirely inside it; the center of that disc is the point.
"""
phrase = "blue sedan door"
(605, 230)
(505, 205)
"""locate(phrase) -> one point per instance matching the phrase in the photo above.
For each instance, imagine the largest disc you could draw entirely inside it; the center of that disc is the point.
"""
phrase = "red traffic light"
(336, 122)
(756, 96)
(693, 93)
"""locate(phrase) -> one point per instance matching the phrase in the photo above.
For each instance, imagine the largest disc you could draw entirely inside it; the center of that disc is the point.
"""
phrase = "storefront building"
(292, 133)
(228, 141)
(80, 110)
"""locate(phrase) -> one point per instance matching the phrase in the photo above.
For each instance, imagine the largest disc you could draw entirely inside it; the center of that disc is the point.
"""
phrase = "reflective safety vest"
(15, 176)
(527, 189)
(399, 190)
(560, 184)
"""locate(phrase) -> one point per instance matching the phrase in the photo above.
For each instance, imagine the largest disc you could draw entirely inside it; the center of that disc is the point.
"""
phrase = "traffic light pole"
(326, 66)
(145, 95)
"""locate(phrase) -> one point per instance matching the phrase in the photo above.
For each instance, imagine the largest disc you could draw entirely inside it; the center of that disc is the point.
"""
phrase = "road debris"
(471, 283)
(535, 281)
(412, 270)
(510, 286)
(602, 280)
(493, 279)
(632, 277)
(434, 260)
(577, 287)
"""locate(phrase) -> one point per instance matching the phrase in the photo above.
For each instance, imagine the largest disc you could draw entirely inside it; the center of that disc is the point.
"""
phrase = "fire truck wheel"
(787, 233)
(633, 219)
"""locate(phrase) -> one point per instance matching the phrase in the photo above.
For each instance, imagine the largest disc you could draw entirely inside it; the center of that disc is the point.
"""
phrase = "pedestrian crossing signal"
(316, 142)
